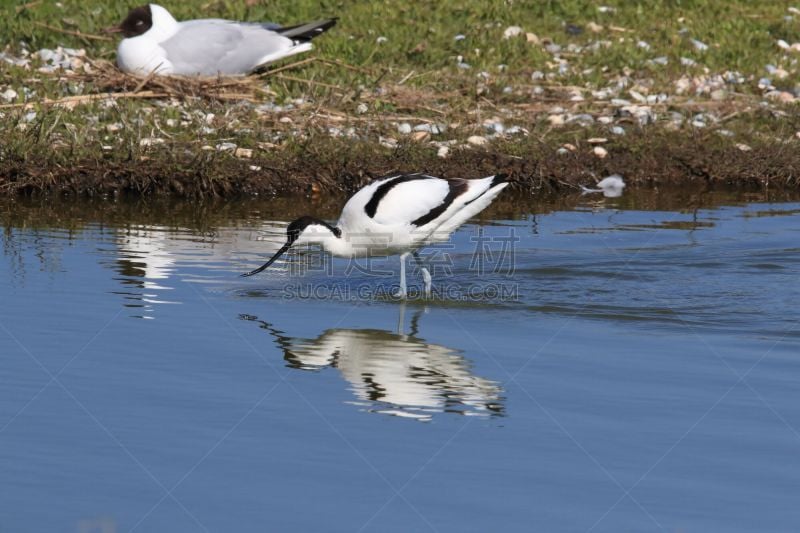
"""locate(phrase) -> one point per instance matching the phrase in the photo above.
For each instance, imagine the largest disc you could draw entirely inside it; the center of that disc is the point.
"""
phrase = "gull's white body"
(206, 47)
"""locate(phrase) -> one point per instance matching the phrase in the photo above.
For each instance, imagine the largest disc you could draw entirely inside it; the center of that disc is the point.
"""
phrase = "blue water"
(615, 369)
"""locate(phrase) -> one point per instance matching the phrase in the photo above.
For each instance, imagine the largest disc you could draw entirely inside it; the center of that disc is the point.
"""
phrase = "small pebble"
(617, 130)
(477, 140)
(404, 128)
(443, 151)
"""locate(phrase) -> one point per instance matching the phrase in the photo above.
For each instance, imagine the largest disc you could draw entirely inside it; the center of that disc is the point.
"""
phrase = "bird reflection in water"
(394, 373)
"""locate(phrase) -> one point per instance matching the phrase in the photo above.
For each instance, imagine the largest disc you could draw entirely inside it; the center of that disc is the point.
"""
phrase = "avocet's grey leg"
(401, 320)
(426, 276)
(402, 292)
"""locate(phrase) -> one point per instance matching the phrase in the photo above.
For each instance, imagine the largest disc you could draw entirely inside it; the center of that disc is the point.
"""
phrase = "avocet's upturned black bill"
(397, 214)
(157, 43)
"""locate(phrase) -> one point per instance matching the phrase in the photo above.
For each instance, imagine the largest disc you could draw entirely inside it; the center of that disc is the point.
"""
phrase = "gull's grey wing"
(264, 25)
(213, 47)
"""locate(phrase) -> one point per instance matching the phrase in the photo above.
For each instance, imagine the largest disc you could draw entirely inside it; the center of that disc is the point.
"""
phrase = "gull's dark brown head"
(138, 21)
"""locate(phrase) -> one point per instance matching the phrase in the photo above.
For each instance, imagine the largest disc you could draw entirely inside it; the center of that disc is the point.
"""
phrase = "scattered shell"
(477, 140)
(244, 153)
(570, 147)
(743, 147)
(226, 147)
(381, 39)
(9, 95)
(781, 96)
(404, 128)
(594, 27)
(443, 151)
(511, 31)
(719, 94)
(362, 108)
(150, 141)
(388, 142)
(532, 38)
(420, 136)
(600, 152)
(617, 130)
(434, 129)
(699, 45)
(597, 140)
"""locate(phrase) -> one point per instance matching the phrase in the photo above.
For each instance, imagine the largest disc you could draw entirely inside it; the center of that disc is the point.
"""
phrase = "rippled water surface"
(627, 364)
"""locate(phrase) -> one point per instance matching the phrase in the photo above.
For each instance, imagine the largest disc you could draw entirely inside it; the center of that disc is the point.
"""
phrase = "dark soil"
(327, 165)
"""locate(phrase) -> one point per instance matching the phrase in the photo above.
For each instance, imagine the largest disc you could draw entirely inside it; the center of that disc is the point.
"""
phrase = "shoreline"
(325, 165)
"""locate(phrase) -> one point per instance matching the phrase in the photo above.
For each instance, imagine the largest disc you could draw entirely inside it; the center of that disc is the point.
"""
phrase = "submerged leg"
(426, 276)
(402, 292)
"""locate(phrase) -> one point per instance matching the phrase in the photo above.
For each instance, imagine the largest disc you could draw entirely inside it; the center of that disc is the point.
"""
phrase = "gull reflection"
(151, 260)
(393, 373)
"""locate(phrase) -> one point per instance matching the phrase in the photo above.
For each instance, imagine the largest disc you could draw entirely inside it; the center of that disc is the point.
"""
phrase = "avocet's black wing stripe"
(457, 188)
(498, 180)
(372, 206)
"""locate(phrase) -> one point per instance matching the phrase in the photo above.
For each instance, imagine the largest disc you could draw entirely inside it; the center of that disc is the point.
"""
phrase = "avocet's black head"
(138, 21)
(294, 231)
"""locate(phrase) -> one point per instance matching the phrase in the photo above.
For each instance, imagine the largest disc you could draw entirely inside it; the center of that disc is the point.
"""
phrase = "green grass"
(421, 50)
(741, 34)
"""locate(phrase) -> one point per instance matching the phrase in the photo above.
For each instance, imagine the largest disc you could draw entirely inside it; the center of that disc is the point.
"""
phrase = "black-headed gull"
(396, 215)
(156, 42)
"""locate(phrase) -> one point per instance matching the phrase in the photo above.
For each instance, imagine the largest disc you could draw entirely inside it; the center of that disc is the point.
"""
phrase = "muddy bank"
(326, 165)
